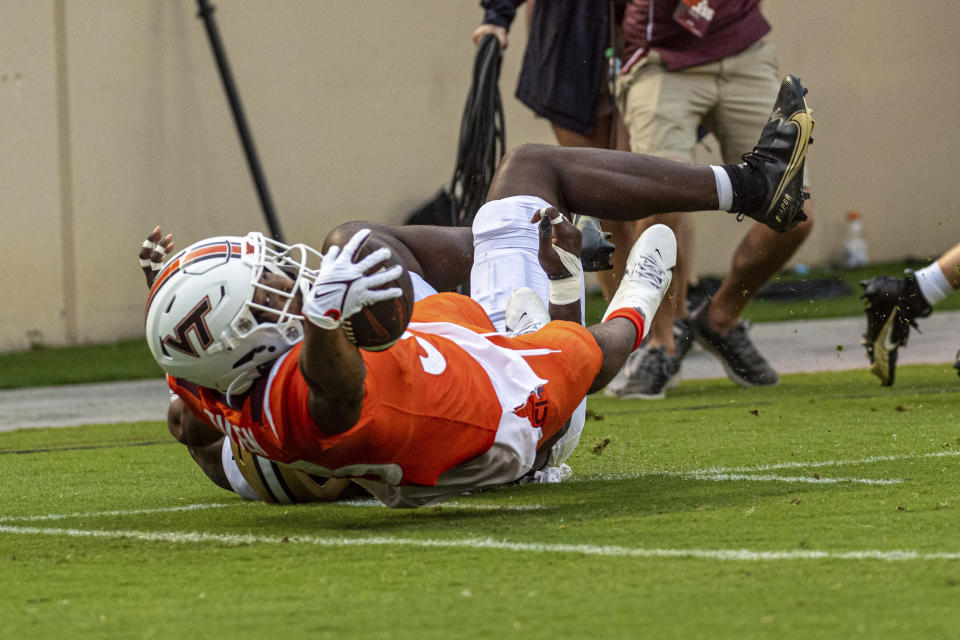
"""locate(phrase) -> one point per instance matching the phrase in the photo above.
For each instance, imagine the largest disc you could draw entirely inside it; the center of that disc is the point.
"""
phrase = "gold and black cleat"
(773, 192)
(892, 306)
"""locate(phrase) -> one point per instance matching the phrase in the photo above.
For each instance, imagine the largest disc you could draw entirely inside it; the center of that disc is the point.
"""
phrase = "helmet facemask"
(263, 254)
(244, 335)
(271, 330)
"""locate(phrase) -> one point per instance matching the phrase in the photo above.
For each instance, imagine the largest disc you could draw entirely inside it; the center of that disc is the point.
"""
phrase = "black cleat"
(956, 364)
(772, 174)
(892, 306)
(595, 253)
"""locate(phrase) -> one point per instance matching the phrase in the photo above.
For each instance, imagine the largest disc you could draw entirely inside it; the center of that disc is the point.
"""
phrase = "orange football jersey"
(432, 401)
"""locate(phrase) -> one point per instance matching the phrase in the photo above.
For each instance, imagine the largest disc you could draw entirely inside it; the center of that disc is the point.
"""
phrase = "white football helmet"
(202, 323)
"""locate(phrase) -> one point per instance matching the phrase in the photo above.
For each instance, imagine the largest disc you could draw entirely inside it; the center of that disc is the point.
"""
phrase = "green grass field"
(824, 508)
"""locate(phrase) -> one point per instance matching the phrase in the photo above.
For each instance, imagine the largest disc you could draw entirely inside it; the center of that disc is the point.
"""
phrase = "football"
(378, 326)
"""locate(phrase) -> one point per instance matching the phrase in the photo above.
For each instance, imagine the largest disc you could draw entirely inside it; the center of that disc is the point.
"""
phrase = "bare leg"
(623, 234)
(599, 140)
(605, 184)
(761, 254)
(949, 263)
(203, 442)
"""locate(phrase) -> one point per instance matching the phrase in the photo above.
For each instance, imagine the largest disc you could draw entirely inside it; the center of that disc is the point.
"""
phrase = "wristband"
(565, 291)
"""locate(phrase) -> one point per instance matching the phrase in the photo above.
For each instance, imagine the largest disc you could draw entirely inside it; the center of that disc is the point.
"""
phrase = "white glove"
(341, 289)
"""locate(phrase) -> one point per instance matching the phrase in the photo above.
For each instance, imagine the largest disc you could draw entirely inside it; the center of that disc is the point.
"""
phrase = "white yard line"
(195, 507)
(119, 512)
(741, 555)
(828, 463)
(453, 504)
(726, 477)
(754, 473)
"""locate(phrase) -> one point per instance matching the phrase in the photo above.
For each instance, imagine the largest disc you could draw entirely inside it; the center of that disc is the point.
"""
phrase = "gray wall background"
(113, 120)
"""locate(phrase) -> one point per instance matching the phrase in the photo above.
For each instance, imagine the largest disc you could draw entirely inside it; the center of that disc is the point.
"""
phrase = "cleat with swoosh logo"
(646, 278)
(525, 312)
(776, 164)
(892, 306)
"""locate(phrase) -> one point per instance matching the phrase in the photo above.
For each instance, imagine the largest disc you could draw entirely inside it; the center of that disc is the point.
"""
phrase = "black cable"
(482, 135)
(205, 12)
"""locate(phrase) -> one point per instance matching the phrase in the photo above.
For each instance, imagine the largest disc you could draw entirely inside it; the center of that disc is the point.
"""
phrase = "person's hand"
(560, 241)
(490, 29)
(153, 252)
(342, 288)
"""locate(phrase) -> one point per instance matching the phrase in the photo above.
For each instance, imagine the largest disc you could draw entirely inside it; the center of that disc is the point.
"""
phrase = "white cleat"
(525, 312)
(647, 275)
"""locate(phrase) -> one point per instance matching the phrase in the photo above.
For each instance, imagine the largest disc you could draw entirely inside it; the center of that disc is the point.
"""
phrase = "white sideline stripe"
(828, 463)
(722, 477)
(124, 512)
(717, 476)
(487, 543)
(452, 504)
(195, 507)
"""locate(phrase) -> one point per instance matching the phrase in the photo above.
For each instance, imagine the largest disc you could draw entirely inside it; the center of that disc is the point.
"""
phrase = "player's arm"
(334, 370)
(203, 441)
(330, 364)
(559, 256)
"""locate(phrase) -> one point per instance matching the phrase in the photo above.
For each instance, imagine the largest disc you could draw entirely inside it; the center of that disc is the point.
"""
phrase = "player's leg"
(255, 478)
(949, 264)
(765, 186)
(663, 110)
(202, 441)
(631, 311)
(893, 304)
(506, 246)
(749, 83)
(598, 252)
(760, 255)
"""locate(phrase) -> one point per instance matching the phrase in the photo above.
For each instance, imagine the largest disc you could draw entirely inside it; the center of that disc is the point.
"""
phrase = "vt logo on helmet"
(226, 306)
(196, 321)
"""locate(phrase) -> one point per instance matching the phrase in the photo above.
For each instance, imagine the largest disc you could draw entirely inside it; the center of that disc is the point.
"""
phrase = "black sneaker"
(956, 364)
(648, 375)
(768, 184)
(682, 337)
(739, 357)
(892, 306)
(596, 250)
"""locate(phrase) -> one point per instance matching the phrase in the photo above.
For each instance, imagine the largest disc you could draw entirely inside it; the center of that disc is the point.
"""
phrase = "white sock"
(933, 283)
(724, 187)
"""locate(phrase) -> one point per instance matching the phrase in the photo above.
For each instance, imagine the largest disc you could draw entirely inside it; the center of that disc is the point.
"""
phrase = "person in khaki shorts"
(691, 65)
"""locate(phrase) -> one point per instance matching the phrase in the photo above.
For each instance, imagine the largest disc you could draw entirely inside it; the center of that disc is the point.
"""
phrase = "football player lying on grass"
(264, 348)
(510, 259)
